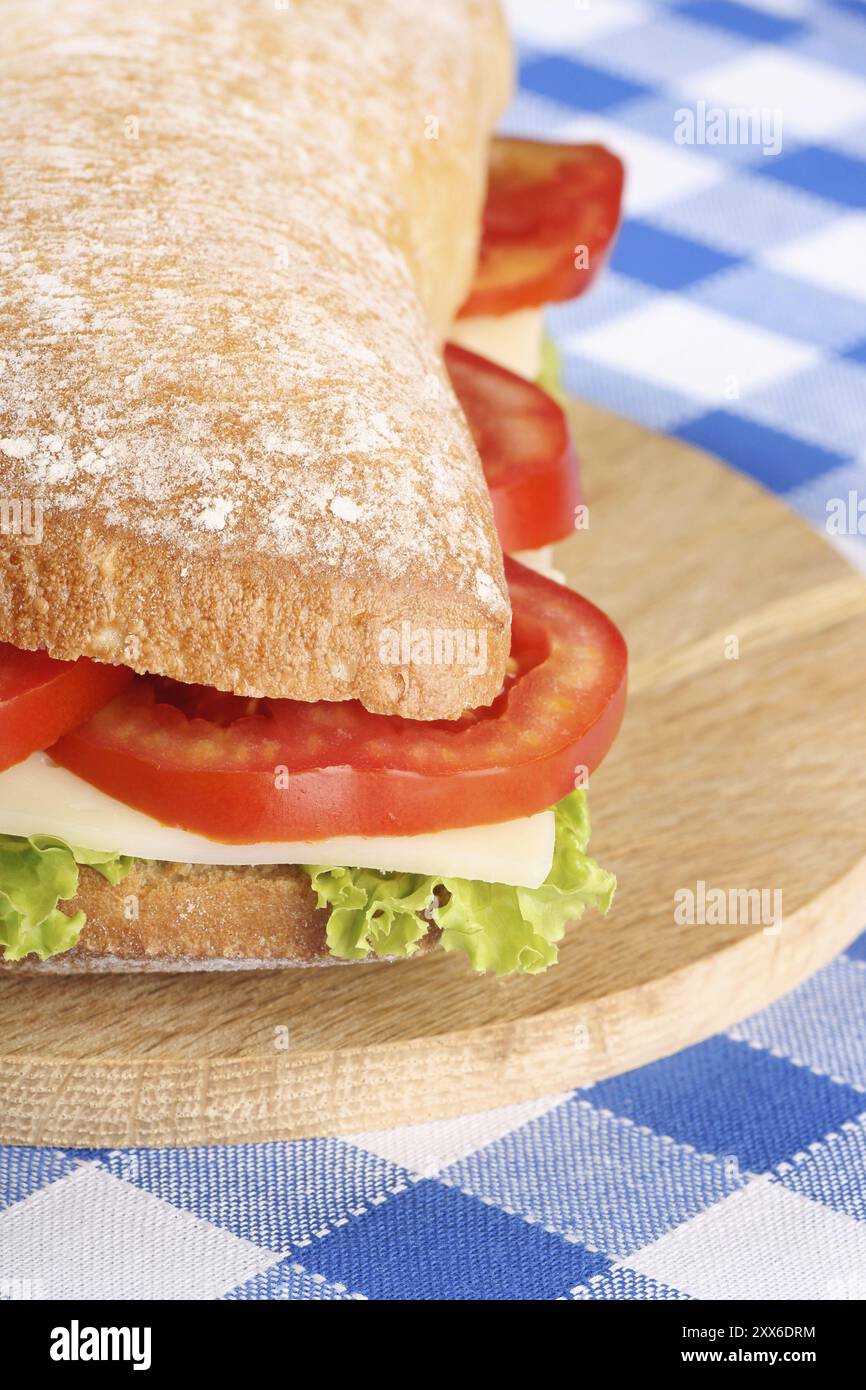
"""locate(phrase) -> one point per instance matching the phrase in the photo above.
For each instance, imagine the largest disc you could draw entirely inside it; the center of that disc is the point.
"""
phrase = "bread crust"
(233, 239)
(173, 917)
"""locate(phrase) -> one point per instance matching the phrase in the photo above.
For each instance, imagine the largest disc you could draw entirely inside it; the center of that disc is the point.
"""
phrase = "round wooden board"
(745, 772)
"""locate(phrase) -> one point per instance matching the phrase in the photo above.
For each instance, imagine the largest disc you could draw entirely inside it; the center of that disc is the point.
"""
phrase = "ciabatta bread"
(174, 917)
(233, 236)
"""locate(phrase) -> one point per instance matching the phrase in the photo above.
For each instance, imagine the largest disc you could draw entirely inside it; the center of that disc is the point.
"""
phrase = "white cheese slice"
(513, 340)
(540, 560)
(38, 797)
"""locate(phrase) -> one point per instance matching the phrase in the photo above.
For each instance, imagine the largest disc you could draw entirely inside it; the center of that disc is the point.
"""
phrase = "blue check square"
(666, 47)
(435, 1243)
(663, 259)
(784, 304)
(857, 949)
(833, 1171)
(596, 1178)
(625, 393)
(625, 1285)
(852, 7)
(578, 85)
(746, 215)
(752, 23)
(288, 1282)
(727, 1098)
(826, 173)
(283, 1197)
(673, 119)
(776, 459)
(824, 403)
(803, 1024)
(24, 1171)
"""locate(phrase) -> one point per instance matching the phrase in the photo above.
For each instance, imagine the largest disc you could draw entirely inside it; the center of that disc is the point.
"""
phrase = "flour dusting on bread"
(229, 253)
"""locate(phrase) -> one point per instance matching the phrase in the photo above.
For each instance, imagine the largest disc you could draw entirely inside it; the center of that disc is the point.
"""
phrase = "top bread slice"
(233, 237)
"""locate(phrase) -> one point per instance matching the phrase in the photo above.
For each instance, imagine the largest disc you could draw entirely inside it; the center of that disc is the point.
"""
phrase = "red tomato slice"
(41, 698)
(242, 770)
(551, 216)
(522, 436)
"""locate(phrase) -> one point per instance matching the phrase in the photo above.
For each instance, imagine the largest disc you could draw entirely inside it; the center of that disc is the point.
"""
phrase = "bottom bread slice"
(197, 917)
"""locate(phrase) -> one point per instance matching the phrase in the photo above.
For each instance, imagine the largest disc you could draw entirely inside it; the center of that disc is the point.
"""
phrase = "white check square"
(697, 352)
(92, 1236)
(833, 257)
(815, 100)
(763, 1243)
(565, 25)
(426, 1149)
(786, 9)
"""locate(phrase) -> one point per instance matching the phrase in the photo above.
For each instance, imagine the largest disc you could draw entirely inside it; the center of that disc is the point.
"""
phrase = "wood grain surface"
(741, 772)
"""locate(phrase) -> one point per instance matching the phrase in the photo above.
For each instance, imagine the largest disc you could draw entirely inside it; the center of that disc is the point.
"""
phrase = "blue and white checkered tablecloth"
(733, 315)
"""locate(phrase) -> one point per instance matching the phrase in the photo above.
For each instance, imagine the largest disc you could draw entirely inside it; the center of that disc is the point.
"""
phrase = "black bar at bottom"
(225, 1337)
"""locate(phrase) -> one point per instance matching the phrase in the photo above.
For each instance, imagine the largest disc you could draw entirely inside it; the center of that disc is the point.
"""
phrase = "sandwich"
(276, 687)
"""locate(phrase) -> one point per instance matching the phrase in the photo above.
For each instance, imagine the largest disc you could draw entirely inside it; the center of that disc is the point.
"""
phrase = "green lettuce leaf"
(36, 873)
(550, 371)
(499, 928)
(502, 929)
